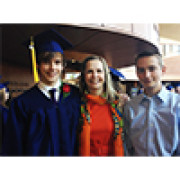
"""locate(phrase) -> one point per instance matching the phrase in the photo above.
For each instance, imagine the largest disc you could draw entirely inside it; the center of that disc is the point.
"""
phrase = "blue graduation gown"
(3, 120)
(39, 127)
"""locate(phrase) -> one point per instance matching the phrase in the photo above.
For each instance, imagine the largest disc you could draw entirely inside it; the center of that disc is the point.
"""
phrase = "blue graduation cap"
(47, 41)
(50, 41)
(116, 74)
(169, 87)
(1, 86)
(4, 85)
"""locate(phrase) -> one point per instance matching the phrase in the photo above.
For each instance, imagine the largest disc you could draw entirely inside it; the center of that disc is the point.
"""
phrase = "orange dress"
(101, 130)
(96, 137)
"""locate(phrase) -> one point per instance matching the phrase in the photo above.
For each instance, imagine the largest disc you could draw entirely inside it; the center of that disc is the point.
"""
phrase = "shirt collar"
(141, 98)
(45, 87)
(162, 96)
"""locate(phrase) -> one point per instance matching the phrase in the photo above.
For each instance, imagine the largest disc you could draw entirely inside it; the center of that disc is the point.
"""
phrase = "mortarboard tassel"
(33, 54)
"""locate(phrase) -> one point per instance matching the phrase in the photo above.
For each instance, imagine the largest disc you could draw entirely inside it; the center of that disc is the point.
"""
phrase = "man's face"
(51, 71)
(149, 72)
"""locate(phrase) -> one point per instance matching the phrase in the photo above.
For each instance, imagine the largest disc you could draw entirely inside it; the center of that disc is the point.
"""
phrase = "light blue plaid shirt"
(151, 124)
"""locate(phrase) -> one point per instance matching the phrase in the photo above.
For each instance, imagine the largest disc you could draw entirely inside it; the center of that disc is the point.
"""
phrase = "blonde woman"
(101, 123)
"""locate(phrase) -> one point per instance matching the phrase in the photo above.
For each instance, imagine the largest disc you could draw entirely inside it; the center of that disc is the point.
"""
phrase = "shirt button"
(152, 125)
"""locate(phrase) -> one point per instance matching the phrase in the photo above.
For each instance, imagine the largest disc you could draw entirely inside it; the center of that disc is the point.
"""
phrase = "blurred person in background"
(117, 79)
(177, 87)
(170, 88)
(4, 96)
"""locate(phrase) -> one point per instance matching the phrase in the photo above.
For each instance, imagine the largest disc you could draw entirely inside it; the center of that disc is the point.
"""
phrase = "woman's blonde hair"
(110, 92)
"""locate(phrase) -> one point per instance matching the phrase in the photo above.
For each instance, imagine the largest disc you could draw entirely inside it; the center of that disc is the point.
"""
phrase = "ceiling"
(170, 31)
(119, 49)
(172, 68)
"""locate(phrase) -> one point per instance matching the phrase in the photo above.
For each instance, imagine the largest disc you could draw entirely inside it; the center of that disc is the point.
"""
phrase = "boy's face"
(51, 71)
(149, 72)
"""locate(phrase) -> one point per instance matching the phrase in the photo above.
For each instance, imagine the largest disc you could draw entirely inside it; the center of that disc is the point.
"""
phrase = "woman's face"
(94, 75)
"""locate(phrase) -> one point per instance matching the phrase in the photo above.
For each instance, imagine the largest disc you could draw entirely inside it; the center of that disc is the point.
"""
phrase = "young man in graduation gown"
(44, 119)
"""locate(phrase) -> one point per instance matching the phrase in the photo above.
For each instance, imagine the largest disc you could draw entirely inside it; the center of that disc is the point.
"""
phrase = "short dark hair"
(148, 54)
(46, 56)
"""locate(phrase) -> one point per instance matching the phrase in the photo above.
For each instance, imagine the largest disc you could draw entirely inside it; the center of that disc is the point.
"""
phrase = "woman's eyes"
(91, 71)
(99, 70)
(58, 62)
